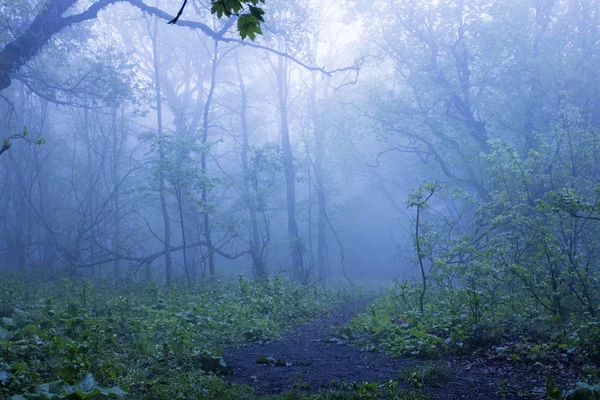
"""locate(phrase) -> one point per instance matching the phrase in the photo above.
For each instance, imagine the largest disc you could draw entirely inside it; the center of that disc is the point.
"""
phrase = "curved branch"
(154, 256)
(174, 20)
(157, 12)
(220, 36)
(45, 25)
(50, 21)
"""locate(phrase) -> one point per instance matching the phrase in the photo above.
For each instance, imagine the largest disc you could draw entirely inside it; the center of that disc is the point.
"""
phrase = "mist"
(448, 150)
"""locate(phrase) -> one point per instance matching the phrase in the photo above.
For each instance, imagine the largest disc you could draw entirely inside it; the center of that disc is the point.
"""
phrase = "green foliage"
(583, 391)
(87, 388)
(354, 391)
(418, 198)
(461, 321)
(72, 341)
(248, 24)
(396, 331)
(552, 392)
(433, 375)
(6, 144)
(7, 141)
(521, 263)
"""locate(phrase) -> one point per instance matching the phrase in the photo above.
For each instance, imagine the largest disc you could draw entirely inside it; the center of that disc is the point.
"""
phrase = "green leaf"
(257, 13)
(583, 391)
(266, 360)
(117, 391)
(249, 26)
(552, 392)
(217, 8)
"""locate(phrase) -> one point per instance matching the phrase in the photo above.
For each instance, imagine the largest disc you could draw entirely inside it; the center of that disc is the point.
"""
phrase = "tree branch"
(220, 36)
(50, 21)
(154, 256)
(45, 25)
(174, 20)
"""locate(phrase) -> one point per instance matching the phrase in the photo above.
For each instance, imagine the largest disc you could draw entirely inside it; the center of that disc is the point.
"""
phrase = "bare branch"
(174, 20)
(45, 25)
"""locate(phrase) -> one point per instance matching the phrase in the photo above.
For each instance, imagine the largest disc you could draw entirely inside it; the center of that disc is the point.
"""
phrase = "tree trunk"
(290, 179)
(206, 213)
(183, 236)
(259, 267)
(320, 187)
(20, 212)
(161, 155)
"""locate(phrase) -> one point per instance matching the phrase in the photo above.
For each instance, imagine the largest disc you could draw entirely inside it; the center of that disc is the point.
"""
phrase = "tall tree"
(161, 154)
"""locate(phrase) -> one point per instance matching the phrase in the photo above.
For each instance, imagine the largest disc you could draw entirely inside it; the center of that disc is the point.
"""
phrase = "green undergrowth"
(430, 375)
(76, 340)
(365, 391)
(468, 324)
(462, 322)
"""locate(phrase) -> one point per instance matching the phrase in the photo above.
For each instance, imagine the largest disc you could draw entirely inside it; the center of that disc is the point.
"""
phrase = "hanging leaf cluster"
(248, 12)
(248, 23)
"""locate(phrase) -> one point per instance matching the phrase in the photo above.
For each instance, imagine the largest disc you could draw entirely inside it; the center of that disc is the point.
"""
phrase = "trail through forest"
(317, 352)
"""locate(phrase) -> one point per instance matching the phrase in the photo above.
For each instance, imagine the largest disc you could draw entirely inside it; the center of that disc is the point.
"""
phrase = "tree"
(418, 199)
(50, 21)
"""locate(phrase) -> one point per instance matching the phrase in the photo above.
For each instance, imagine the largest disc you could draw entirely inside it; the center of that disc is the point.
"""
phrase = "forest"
(300, 199)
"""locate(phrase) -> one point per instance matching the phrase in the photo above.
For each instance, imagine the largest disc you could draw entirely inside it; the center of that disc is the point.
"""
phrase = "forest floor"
(315, 357)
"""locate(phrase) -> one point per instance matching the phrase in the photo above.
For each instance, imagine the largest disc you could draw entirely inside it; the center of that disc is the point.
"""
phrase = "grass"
(364, 391)
(426, 376)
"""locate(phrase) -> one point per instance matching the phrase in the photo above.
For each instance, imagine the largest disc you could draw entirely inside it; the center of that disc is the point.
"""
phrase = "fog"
(179, 153)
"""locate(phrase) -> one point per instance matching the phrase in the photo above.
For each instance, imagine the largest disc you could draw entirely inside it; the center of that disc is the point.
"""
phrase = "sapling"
(419, 199)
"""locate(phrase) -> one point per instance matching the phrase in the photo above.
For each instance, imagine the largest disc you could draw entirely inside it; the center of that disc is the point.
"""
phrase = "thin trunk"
(206, 214)
(21, 216)
(341, 247)
(183, 237)
(161, 155)
(259, 266)
(290, 182)
(5, 204)
(90, 173)
(320, 187)
(20, 212)
(420, 256)
(116, 202)
(44, 198)
(309, 225)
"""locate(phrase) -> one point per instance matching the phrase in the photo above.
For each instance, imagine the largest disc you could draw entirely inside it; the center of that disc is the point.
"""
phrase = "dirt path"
(308, 350)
